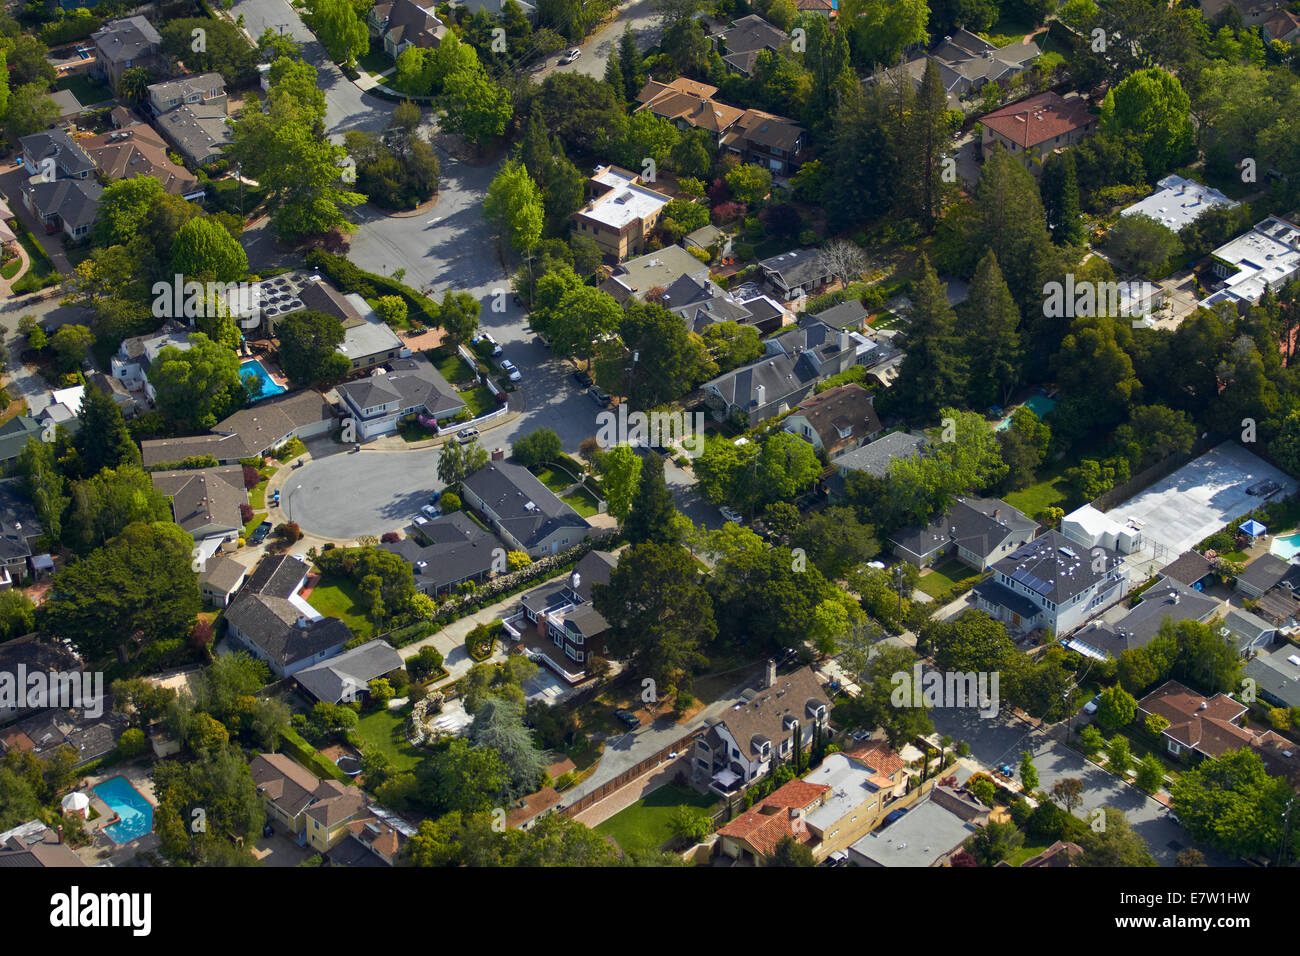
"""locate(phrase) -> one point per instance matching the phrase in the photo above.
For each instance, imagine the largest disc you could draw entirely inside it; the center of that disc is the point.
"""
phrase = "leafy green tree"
(474, 106)
(103, 505)
(620, 473)
(200, 385)
(219, 781)
(835, 540)
(1119, 759)
(669, 360)
(204, 248)
(1153, 433)
(1150, 773)
(455, 461)
(134, 84)
(1028, 773)
(71, 344)
(342, 32)
(498, 726)
(1116, 708)
(731, 344)
(584, 316)
(537, 447)
(876, 706)
(1151, 107)
(30, 110)
(1059, 187)
(1233, 804)
(137, 589)
(749, 183)
(790, 852)
(994, 841)
(43, 483)
(309, 344)
(1139, 245)
(993, 345)
(514, 206)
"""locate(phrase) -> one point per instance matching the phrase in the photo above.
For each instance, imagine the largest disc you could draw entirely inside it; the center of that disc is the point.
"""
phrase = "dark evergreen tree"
(933, 374)
(927, 140)
(653, 511)
(1060, 194)
(103, 441)
(629, 64)
(992, 342)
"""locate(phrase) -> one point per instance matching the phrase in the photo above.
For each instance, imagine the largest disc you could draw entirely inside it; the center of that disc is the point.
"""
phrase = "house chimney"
(760, 395)
(498, 454)
(302, 622)
(769, 674)
(575, 580)
(844, 340)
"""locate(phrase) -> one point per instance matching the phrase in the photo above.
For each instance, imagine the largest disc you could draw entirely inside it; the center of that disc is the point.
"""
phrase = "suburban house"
(1190, 568)
(1281, 25)
(741, 43)
(49, 729)
(1167, 601)
(795, 361)
(34, 845)
(850, 315)
(638, 276)
(966, 62)
(1089, 528)
(135, 356)
(346, 676)
(138, 150)
(927, 835)
(54, 154)
(114, 389)
(277, 625)
(402, 24)
(838, 419)
(524, 512)
(793, 275)
(250, 432)
(701, 302)
(1201, 727)
(564, 615)
(1277, 676)
(31, 654)
(1178, 202)
(378, 402)
(198, 131)
(367, 340)
(1250, 632)
(980, 531)
(220, 579)
(1265, 573)
(709, 238)
(123, 44)
(865, 785)
(824, 8)
(1053, 583)
(766, 140)
(19, 530)
(620, 213)
(1266, 257)
(1033, 128)
(315, 811)
(495, 7)
(60, 406)
(754, 835)
(1253, 12)
(874, 459)
(201, 89)
(14, 436)
(371, 841)
(741, 744)
(206, 503)
(688, 104)
(447, 551)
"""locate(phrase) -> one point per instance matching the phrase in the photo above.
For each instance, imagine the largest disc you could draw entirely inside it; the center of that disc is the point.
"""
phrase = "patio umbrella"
(75, 802)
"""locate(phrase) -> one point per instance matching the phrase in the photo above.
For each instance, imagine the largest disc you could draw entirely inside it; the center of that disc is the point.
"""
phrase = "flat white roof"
(1178, 202)
(623, 205)
(1264, 257)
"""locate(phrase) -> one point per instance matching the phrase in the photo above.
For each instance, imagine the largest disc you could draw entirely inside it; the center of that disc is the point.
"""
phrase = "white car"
(487, 337)
(730, 514)
(431, 511)
(571, 55)
(1091, 706)
(508, 367)
(464, 436)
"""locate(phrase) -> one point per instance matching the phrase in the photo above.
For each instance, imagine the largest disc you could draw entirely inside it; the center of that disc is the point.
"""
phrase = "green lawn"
(384, 730)
(451, 366)
(10, 268)
(337, 597)
(1050, 491)
(257, 497)
(87, 91)
(41, 264)
(582, 502)
(1024, 853)
(944, 577)
(556, 480)
(478, 400)
(257, 519)
(375, 61)
(1007, 30)
(644, 825)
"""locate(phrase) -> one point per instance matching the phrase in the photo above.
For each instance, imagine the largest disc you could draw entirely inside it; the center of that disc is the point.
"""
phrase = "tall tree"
(992, 340)
(934, 370)
(103, 440)
(629, 64)
(652, 513)
(1059, 188)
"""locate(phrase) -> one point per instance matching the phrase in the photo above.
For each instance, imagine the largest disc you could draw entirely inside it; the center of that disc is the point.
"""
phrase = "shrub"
(390, 537)
(131, 743)
(449, 502)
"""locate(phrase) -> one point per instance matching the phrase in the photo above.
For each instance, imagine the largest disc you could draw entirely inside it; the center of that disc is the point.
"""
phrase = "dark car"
(583, 379)
(627, 717)
(599, 396)
(267, 830)
(260, 532)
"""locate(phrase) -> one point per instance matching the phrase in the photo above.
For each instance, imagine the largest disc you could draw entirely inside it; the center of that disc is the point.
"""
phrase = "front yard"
(583, 502)
(644, 825)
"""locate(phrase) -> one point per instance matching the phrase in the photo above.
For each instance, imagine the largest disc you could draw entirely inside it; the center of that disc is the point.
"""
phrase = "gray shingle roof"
(128, 39)
(527, 509)
(980, 525)
(331, 680)
(69, 158)
(1054, 567)
(414, 382)
(460, 549)
(876, 457)
(75, 201)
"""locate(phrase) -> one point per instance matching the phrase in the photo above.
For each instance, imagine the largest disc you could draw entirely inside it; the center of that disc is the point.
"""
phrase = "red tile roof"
(1039, 119)
(767, 823)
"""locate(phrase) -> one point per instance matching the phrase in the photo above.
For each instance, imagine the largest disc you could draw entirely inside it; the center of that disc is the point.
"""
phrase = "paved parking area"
(344, 495)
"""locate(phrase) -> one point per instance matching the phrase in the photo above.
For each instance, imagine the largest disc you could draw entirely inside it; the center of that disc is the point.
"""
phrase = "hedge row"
(349, 278)
(298, 748)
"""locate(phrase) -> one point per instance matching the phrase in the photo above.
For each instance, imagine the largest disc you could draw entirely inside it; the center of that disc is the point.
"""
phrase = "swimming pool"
(1286, 546)
(135, 813)
(266, 385)
(1040, 405)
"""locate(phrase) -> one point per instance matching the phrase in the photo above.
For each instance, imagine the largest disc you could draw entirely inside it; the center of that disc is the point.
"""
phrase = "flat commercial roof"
(1178, 202)
(1198, 499)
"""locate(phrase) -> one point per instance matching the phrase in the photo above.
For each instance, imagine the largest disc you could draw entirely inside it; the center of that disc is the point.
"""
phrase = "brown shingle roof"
(1039, 119)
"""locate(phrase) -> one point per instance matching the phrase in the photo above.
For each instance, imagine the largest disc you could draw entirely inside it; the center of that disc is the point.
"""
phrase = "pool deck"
(102, 849)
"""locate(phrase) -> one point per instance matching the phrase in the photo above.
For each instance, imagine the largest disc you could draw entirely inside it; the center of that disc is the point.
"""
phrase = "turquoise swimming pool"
(135, 813)
(1286, 546)
(1040, 405)
(267, 386)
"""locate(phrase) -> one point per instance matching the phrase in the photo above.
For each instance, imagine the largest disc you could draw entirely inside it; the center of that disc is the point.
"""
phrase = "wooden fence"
(682, 745)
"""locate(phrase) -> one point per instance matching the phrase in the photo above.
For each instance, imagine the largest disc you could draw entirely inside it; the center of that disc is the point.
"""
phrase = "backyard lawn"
(1050, 491)
(582, 502)
(451, 366)
(553, 478)
(944, 577)
(87, 91)
(385, 731)
(644, 825)
(337, 597)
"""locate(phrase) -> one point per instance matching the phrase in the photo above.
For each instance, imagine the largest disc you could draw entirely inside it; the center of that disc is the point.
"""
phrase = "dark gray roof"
(751, 34)
(129, 39)
(1054, 567)
(412, 382)
(15, 434)
(1172, 601)
(1264, 572)
(278, 575)
(1000, 594)
(798, 267)
(1277, 674)
(195, 129)
(594, 568)
(460, 549)
(980, 525)
(1188, 568)
(527, 509)
(876, 457)
(69, 158)
(278, 629)
(76, 201)
(330, 680)
(849, 314)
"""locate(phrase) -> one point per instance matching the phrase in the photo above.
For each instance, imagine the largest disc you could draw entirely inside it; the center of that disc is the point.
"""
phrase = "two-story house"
(620, 213)
(563, 614)
(837, 420)
(206, 504)
(402, 24)
(131, 363)
(62, 192)
(193, 89)
(742, 42)
(741, 744)
(1032, 129)
(526, 514)
(767, 140)
(412, 386)
(121, 45)
(317, 812)
(1052, 582)
(979, 531)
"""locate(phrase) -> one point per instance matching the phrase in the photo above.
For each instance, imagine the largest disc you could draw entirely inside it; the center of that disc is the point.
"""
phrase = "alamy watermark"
(65, 690)
(177, 299)
(1087, 298)
(950, 689)
(657, 429)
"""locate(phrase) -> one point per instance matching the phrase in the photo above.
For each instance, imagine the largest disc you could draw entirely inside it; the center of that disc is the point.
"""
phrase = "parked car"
(571, 55)
(260, 532)
(583, 379)
(431, 511)
(730, 514)
(627, 717)
(466, 435)
(599, 396)
(512, 373)
(1092, 705)
(487, 337)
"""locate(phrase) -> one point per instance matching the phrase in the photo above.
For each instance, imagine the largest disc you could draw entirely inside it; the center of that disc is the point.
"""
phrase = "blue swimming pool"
(1285, 546)
(266, 385)
(1040, 405)
(134, 811)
